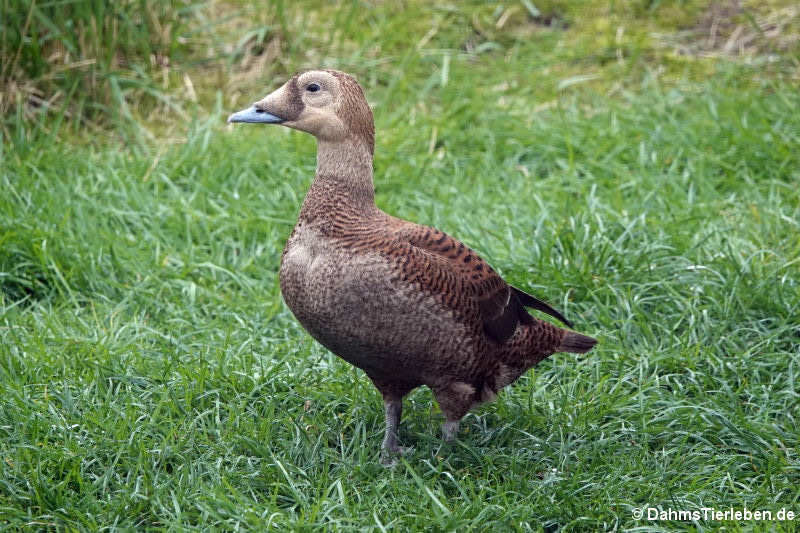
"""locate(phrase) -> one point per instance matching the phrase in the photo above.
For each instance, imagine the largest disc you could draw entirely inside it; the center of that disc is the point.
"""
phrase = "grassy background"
(636, 163)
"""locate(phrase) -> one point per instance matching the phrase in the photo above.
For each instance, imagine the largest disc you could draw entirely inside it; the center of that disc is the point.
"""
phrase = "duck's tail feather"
(531, 301)
(576, 343)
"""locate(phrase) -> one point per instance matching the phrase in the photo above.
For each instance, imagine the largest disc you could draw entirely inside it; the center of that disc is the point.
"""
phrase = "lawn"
(634, 163)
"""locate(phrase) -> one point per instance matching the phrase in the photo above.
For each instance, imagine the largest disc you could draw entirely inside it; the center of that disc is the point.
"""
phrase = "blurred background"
(143, 67)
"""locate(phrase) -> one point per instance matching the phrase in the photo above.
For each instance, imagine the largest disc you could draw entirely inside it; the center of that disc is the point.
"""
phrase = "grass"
(152, 378)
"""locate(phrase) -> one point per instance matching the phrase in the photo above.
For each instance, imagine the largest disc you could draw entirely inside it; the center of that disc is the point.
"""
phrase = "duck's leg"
(454, 400)
(393, 408)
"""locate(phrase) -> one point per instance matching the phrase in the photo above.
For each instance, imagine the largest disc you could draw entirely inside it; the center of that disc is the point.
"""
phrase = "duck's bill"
(253, 115)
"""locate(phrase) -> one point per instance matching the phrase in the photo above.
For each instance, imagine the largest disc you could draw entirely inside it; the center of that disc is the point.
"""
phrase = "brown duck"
(406, 303)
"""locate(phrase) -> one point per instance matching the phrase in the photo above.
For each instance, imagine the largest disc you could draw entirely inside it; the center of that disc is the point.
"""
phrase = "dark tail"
(576, 343)
(531, 301)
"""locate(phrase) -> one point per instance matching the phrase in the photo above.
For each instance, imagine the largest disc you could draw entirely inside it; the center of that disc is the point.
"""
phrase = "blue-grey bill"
(253, 115)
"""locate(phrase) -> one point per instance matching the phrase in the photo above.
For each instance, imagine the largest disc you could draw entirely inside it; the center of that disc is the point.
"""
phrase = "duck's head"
(328, 104)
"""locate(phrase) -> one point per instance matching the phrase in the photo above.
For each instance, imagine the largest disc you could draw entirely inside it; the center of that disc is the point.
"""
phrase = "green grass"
(152, 378)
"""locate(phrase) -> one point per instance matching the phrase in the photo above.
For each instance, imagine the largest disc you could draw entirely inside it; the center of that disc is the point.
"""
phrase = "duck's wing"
(501, 306)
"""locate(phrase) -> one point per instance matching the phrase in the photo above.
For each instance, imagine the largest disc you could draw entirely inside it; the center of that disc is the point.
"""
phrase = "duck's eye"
(312, 87)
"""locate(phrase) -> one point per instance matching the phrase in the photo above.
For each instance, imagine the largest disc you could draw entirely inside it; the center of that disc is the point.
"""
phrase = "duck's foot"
(450, 430)
(390, 456)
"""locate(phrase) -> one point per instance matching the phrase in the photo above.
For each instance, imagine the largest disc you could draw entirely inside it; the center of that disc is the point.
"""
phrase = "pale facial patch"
(312, 111)
(328, 94)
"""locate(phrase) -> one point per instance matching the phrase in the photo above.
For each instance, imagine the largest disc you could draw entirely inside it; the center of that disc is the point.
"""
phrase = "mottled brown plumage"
(406, 303)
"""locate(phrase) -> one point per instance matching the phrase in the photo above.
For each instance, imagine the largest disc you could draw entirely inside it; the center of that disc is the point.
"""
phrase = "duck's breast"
(319, 279)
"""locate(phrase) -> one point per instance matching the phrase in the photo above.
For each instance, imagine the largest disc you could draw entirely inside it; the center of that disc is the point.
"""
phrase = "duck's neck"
(343, 179)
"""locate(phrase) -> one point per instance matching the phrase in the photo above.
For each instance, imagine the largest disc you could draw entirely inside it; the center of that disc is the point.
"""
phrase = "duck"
(406, 303)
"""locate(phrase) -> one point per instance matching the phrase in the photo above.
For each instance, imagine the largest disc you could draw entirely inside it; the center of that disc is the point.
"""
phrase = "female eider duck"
(406, 303)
